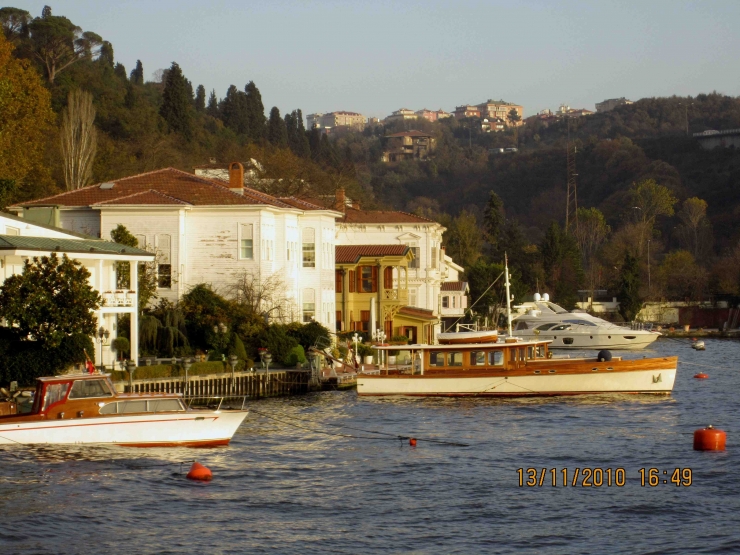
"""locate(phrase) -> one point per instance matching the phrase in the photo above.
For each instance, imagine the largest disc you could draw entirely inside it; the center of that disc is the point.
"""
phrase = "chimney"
(341, 200)
(236, 177)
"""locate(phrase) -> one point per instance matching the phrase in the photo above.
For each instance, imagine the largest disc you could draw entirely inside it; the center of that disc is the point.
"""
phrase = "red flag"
(89, 366)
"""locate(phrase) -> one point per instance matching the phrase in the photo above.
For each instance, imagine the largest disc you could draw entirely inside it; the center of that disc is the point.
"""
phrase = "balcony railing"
(119, 298)
(396, 295)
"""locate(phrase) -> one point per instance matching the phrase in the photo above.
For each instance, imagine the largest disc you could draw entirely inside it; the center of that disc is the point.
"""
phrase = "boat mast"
(508, 295)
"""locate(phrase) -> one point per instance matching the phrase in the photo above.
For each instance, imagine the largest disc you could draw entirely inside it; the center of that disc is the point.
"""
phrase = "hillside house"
(408, 145)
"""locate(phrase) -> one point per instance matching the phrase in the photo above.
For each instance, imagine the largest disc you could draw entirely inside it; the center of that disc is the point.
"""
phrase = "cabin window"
(521, 354)
(154, 405)
(545, 327)
(540, 351)
(522, 326)
(82, 389)
(530, 352)
(456, 359)
(164, 405)
(436, 358)
(495, 358)
(561, 327)
(54, 393)
(478, 358)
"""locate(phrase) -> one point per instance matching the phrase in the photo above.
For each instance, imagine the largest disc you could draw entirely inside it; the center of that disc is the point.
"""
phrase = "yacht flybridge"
(543, 319)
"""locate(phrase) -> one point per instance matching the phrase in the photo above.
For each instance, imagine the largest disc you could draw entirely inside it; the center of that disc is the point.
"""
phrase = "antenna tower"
(571, 202)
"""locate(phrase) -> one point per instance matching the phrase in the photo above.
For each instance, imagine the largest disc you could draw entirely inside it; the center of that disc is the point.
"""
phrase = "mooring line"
(392, 437)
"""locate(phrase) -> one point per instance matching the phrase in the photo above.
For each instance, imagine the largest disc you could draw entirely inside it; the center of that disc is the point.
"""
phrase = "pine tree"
(200, 99)
(256, 111)
(120, 70)
(276, 132)
(106, 54)
(46, 12)
(212, 109)
(137, 74)
(177, 102)
(314, 142)
(303, 149)
(291, 128)
(493, 217)
(234, 112)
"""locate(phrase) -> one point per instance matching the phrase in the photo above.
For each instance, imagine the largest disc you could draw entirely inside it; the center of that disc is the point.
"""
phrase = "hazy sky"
(374, 56)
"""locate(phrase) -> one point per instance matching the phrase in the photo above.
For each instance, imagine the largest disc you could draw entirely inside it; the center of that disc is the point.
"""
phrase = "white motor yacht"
(543, 319)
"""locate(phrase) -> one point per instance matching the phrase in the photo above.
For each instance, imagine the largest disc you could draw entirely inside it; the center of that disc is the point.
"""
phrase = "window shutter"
(375, 279)
(388, 277)
(351, 281)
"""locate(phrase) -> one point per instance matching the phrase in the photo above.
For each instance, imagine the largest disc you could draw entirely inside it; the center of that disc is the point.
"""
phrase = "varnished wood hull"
(545, 378)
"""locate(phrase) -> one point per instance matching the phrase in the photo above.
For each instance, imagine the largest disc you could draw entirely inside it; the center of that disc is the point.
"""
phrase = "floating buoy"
(709, 439)
(701, 376)
(698, 345)
(200, 472)
(412, 442)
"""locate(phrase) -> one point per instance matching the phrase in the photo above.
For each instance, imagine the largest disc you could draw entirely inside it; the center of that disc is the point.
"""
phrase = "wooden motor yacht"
(85, 408)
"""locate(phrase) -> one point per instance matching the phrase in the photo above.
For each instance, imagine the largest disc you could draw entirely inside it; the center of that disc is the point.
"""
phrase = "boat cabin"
(504, 354)
(89, 395)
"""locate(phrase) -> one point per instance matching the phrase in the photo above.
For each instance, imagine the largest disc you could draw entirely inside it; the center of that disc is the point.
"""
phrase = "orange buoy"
(412, 442)
(200, 472)
(709, 439)
(701, 376)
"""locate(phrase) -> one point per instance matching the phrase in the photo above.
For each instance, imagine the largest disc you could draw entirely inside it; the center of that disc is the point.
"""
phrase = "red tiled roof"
(302, 204)
(417, 312)
(347, 254)
(410, 134)
(145, 197)
(354, 216)
(453, 286)
(168, 182)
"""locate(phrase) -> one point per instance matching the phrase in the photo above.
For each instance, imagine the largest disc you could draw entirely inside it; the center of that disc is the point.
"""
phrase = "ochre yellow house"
(372, 293)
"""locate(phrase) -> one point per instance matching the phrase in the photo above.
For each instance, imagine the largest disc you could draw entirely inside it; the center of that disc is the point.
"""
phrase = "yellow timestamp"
(601, 477)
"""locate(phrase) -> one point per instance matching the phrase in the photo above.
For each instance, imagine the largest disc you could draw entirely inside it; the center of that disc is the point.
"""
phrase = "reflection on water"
(301, 476)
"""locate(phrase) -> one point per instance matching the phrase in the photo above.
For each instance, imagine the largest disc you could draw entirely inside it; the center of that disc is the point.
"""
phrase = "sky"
(377, 56)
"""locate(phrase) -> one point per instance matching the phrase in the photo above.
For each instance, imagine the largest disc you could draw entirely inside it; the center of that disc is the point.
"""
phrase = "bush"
(277, 341)
(365, 350)
(170, 371)
(296, 356)
(236, 347)
(309, 335)
(121, 346)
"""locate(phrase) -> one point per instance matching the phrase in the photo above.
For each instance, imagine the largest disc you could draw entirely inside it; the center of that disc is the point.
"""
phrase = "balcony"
(401, 295)
(118, 298)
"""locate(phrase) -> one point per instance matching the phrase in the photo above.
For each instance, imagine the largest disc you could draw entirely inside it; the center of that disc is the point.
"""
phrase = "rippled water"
(279, 488)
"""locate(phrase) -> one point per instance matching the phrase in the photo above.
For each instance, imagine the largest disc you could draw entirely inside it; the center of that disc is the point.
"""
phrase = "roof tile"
(347, 254)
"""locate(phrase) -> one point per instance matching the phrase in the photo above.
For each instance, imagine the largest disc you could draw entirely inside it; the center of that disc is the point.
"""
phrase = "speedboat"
(85, 408)
(543, 319)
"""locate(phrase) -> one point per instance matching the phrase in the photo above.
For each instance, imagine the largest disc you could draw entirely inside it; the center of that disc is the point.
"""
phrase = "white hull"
(615, 339)
(642, 381)
(190, 428)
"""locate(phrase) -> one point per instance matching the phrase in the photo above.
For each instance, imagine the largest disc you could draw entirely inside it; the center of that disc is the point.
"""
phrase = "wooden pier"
(261, 383)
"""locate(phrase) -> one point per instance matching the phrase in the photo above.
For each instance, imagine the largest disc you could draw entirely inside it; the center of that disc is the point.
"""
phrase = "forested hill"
(144, 118)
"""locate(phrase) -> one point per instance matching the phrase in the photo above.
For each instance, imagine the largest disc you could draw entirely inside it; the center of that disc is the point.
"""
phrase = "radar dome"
(545, 297)
(537, 297)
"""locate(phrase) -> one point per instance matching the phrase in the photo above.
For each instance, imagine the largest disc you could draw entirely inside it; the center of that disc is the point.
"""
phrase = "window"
(478, 358)
(412, 297)
(530, 352)
(454, 301)
(434, 257)
(339, 322)
(456, 359)
(246, 244)
(12, 231)
(540, 351)
(141, 241)
(388, 277)
(365, 320)
(436, 358)
(521, 354)
(522, 326)
(338, 281)
(164, 268)
(54, 393)
(82, 389)
(416, 262)
(495, 358)
(545, 327)
(309, 248)
(445, 302)
(309, 305)
(368, 279)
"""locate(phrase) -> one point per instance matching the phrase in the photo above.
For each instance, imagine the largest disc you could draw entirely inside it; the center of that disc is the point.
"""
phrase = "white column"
(134, 331)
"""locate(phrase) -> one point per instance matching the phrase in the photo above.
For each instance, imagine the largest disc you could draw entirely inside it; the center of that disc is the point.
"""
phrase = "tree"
(234, 111)
(106, 53)
(256, 112)
(680, 276)
(14, 22)
(591, 233)
(120, 70)
(137, 74)
(276, 132)
(630, 302)
(302, 147)
(147, 282)
(79, 139)
(263, 297)
(694, 231)
(493, 217)
(58, 43)
(25, 105)
(464, 239)
(50, 300)
(649, 201)
(200, 99)
(212, 109)
(177, 102)
(561, 262)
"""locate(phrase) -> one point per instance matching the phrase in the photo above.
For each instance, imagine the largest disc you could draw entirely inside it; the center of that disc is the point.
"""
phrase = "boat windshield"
(546, 306)
(580, 322)
(83, 389)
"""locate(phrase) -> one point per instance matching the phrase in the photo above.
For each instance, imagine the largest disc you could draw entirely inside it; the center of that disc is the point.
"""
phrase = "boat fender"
(709, 439)
(604, 356)
(412, 441)
(200, 472)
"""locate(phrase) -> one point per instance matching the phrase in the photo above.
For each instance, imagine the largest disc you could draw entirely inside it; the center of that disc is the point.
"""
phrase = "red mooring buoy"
(709, 439)
(701, 376)
(200, 472)
(412, 442)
